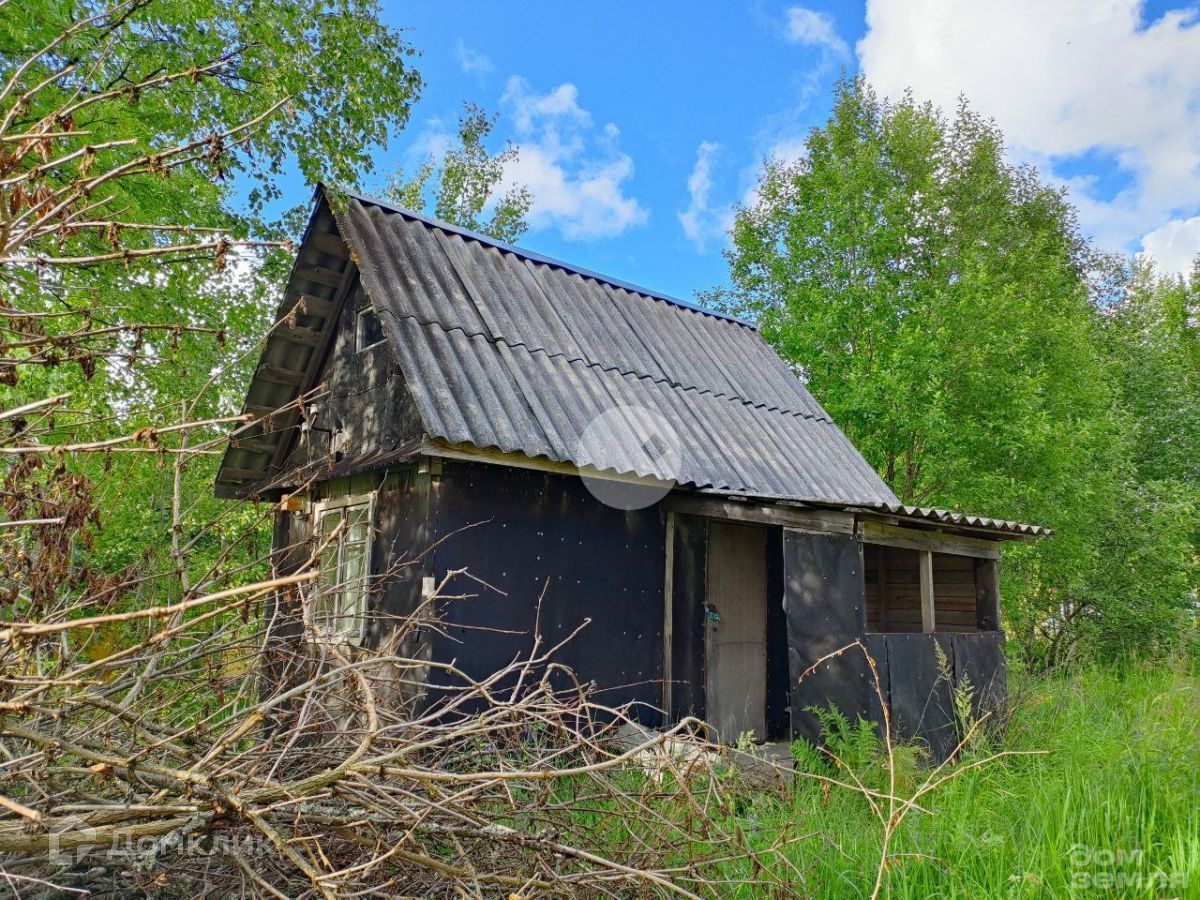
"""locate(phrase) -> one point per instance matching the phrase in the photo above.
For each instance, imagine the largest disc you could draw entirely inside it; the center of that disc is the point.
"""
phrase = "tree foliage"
(464, 185)
(141, 148)
(945, 308)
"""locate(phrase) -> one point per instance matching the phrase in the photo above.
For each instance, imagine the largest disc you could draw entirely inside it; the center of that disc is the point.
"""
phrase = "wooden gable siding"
(367, 410)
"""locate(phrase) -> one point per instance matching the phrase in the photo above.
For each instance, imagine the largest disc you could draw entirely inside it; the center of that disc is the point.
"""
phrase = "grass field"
(1112, 808)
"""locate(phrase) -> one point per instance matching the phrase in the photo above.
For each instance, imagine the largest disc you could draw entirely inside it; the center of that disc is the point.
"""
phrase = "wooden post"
(881, 584)
(987, 594)
(926, 566)
(668, 602)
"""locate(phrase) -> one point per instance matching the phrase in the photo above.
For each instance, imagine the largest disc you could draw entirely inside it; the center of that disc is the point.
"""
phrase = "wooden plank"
(319, 275)
(317, 359)
(987, 601)
(668, 610)
(297, 334)
(824, 612)
(249, 475)
(884, 586)
(254, 446)
(935, 541)
(817, 520)
(736, 631)
(921, 698)
(308, 305)
(471, 453)
(928, 623)
(279, 375)
(329, 243)
(689, 564)
(260, 412)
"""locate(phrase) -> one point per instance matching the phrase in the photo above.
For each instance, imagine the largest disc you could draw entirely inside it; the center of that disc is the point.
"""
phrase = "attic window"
(369, 330)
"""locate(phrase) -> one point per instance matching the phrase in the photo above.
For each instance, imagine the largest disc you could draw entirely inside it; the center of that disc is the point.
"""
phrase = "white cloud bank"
(702, 220)
(1063, 79)
(575, 171)
(699, 220)
(814, 29)
(471, 61)
(1174, 246)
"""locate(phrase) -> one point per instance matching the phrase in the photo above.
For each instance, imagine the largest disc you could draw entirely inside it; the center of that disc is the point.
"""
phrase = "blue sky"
(640, 125)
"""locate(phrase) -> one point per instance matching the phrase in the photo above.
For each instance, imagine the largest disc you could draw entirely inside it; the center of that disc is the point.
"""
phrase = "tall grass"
(1111, 810)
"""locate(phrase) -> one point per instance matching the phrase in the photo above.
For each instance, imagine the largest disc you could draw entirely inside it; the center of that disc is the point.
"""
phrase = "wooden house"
(433, 397)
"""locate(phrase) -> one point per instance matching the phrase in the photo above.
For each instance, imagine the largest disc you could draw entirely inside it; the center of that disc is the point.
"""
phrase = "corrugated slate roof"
(963, 520)
(508, 349)
(902, 512)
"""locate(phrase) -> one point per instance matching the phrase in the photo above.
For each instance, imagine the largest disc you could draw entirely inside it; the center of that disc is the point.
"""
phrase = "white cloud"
(471, 61)
(431, 142)
(700, 221)
(814, 29)
(575, 172)
(1062, 79)
(1175, 245)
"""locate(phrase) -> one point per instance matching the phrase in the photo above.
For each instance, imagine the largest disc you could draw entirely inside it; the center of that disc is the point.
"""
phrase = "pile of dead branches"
(175, 762)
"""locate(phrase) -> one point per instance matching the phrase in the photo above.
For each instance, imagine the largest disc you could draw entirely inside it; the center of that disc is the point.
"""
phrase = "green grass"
(1111, 810)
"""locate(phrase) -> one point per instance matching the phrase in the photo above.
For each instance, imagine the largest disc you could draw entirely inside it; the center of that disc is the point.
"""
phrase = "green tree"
(141, 148)
(1154, 339)
(463, 185)
(942, 305)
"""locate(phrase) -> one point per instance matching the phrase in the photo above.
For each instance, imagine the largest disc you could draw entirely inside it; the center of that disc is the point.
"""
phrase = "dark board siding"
(531, 534)
(979, 659)
(367, 404)
(399, 558)
(824, 608)
(919, 683)
(954, 593)
(690, 565)
(920, 689)
(778, 683)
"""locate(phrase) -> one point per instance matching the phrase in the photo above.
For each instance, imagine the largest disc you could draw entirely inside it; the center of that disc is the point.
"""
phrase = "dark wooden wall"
(367, 410)
(825, 611)
(954, 593)
(920, 682)
(917, 673)
(533, 536)
(690, 567)
(544, 557)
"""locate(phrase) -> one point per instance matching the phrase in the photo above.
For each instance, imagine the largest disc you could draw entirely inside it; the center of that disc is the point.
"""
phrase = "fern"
(855, 745)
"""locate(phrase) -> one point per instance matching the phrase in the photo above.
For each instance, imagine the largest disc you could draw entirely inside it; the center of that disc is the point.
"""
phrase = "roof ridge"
(554, 262)
(592, 364)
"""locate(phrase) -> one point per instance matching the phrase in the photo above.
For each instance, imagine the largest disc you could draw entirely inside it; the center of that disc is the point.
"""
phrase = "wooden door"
(736, 631)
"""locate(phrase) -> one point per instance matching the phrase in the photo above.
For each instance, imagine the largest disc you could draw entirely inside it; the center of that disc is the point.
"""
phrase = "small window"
(369, 331)
(339, 605)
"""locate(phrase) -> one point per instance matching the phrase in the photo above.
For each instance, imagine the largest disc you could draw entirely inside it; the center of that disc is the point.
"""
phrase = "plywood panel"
(823, 604)
(561, 558)
(736, 630)
(690, 539)
(920, 691)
